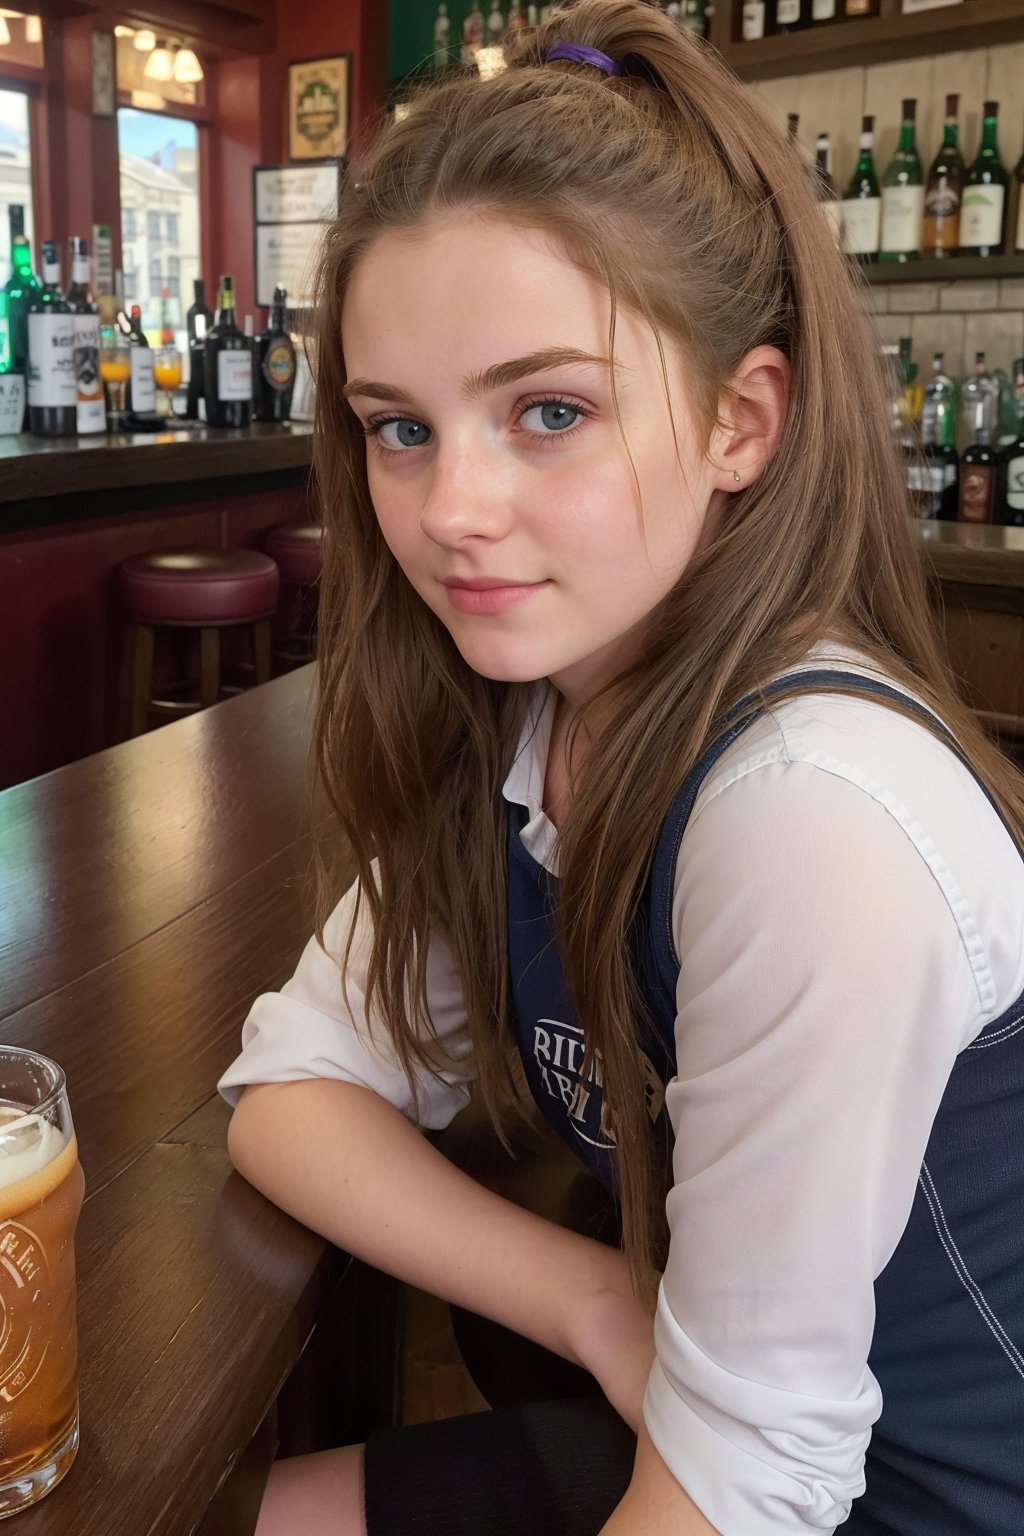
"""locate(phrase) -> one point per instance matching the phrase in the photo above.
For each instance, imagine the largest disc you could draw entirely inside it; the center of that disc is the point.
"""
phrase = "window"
(131, 288)
(159, 165)
(15, 169)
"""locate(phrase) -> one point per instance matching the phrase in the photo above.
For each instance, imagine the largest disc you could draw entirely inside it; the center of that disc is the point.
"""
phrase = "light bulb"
(144, 40)
(187, 68)
(159, 65)
(33, 29)
(5, 31)
(123, 31)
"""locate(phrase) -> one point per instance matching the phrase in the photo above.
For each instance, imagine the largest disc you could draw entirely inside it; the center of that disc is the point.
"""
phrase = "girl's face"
(496, 467)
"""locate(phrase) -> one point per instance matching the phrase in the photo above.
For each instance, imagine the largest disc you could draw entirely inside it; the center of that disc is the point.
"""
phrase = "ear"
(751, 416)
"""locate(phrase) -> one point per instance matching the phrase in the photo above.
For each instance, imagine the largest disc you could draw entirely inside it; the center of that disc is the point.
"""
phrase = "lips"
(486, 595)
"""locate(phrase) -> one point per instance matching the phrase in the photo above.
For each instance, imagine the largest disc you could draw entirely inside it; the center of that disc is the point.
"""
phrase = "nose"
(468, 496)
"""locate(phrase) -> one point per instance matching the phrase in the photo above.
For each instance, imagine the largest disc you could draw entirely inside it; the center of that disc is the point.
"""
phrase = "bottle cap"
(910, 109)
(867, 125)
(991, 109)
(952, 106)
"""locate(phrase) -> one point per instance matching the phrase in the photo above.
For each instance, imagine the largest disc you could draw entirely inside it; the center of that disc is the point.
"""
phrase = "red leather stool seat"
(298, 550)
(200, 586)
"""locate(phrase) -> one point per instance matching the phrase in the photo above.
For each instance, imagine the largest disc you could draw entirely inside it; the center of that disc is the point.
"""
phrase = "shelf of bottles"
(960, 218)
(765, 38)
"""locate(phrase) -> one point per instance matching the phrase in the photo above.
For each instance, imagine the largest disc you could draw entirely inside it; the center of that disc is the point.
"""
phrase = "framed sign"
(318, 107)
(104, 75)
(287, 254)
(296, 194)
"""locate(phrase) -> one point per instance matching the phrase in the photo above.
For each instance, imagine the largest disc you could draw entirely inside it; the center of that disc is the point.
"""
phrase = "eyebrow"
(497, 377)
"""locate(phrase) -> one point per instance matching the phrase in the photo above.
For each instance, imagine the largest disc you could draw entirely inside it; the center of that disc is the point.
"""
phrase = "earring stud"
(736, 476)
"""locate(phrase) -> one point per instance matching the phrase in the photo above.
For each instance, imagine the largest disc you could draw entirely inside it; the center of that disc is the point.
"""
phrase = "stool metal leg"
(261, 645)
(209, 666)
(142, 676)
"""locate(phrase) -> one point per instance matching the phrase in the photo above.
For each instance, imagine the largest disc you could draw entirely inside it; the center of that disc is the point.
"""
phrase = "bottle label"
(862, 225)
(902, 213)
(279, 365)
(80, 270)
(1015, 483)
(977, 487)
(823, 10)
(787, 12)
(234, 375)
(91, 414)
(981, 216)
(143, 383)
(753, 20)
(942, 200)
(51, 360)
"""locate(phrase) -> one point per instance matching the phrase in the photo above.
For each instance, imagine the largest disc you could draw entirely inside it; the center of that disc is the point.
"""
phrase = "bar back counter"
(70, 511)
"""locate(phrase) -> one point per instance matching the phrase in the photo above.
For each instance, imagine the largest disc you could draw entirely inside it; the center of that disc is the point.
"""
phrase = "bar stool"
(204, 589)
(297, 550)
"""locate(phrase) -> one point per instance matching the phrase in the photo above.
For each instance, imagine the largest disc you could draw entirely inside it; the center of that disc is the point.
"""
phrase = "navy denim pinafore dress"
(946, 1456)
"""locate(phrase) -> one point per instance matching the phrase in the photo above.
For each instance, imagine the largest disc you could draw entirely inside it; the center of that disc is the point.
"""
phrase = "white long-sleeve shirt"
(848, 914)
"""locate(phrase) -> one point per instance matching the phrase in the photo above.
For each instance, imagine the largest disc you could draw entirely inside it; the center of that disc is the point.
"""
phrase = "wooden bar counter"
(71, 510)
(151, 892)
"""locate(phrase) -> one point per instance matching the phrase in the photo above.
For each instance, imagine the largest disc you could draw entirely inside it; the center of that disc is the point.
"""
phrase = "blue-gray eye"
(554, 415)
(406, 433)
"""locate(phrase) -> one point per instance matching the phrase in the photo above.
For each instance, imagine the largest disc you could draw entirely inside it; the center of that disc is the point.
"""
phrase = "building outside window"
(159, 165)
(15, 171)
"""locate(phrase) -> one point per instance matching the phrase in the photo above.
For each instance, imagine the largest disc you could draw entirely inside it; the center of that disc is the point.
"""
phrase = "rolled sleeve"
(823, 995)
(308, 1029)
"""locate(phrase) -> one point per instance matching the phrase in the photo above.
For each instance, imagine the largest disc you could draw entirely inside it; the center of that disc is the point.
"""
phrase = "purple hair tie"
(579, 53)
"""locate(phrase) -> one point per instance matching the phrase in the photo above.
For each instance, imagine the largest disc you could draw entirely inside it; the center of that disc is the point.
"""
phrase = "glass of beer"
(41, 1188)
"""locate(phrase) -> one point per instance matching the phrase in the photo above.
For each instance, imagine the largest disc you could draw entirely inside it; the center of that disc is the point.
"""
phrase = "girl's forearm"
(347, 1164)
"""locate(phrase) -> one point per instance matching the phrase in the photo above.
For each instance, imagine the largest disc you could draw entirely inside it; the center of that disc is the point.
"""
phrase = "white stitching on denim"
(998, 1038)
(964, 1275)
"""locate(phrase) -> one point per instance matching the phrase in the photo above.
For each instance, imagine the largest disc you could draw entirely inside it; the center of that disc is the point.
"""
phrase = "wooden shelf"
(868, 40)
(945, 270)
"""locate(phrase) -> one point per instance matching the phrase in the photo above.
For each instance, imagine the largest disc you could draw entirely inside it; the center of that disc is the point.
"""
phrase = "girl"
(663, 805)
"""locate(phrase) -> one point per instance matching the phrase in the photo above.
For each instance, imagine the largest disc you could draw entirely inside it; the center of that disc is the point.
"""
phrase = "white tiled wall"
(958, 318)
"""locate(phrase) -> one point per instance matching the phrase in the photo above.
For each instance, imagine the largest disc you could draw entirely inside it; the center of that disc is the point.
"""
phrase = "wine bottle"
(227, 365)
(979, 403)
(979, 471)
(754, 20)
(141, 393)
(275, 365)
(91, 413)
(826, 185)
(792, 15)
(903, 195)
(983, 208)
(861, 208)
(1018, 239)
(824, 11)
(52, 395)
(19, 291)
(862, 7)
(198, 307)
(944, 191)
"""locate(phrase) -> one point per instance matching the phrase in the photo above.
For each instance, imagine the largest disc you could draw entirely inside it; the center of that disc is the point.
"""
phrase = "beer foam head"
(27, 1144)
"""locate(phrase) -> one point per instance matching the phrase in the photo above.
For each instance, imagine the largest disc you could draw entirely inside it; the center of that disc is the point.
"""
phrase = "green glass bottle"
(903, 194)
(983, 209)
(19, 290)
(861, 208)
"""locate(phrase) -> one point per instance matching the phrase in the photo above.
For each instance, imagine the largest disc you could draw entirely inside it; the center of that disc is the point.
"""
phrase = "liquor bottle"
(19, 290)
(755, 20)
(695, 18)
(944, 191)
(1018, 388)
(198, 307)
(166, 325)
(826, 186)
(141, 395)
(495, 24)
(91, 413)
(793, 129)
(1018, 223)
(1010, 507)
(824, 11)
(983, 209)
(52, 394)
(979, 403)
(442, 37)
(903, 195)
(275, 365)
(792, 15)
(861, 208)
(938, 439)
(862, 7)
(979, 477)
(227, 365)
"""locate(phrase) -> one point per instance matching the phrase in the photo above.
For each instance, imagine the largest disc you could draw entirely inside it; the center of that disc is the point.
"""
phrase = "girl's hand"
(614, 1341)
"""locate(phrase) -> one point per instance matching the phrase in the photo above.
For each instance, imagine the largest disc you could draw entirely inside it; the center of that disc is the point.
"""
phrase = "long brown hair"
(673, 186)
